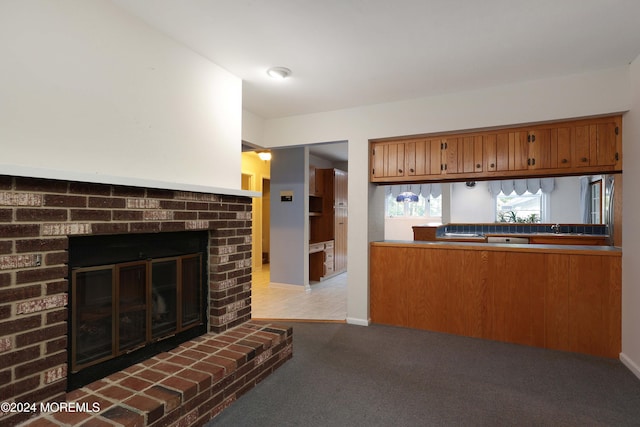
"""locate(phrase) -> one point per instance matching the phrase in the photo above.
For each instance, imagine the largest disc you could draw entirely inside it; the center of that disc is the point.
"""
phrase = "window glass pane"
(164, 279)
(191, 291)
(526, 208)
(93, 315)
(435, 206)
(132, 306)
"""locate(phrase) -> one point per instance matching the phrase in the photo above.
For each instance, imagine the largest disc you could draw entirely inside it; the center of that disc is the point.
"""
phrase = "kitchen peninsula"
(561, 290)
(563, 297)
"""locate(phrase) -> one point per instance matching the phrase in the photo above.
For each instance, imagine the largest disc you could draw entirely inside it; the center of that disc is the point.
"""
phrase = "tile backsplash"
(594, 229)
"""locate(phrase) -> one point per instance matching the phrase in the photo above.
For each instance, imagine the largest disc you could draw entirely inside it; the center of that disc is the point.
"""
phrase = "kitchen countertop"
(480, 245)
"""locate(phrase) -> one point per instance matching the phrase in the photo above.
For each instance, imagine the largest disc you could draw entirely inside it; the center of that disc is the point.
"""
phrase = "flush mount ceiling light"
(279, 73)
(264, 155)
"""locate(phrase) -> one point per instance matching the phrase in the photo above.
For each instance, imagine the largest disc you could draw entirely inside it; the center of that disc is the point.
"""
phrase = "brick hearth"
(36, 218)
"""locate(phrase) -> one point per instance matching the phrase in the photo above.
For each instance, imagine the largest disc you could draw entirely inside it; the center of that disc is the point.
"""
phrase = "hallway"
(327, 300)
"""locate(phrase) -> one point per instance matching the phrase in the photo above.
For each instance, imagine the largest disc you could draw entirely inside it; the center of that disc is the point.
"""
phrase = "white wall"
(289, 228)
(472, 204)
(631, 239)
(88, 89)
(566, 97)
(565, 201)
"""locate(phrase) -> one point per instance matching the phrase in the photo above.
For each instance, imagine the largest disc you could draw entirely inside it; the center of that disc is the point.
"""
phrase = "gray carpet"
(345, 375)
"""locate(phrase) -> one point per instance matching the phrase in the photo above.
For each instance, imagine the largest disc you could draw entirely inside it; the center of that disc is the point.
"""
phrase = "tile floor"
(327, 300)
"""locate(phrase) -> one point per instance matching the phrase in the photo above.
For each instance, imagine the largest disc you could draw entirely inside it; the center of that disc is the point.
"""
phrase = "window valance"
(418, 189)
(521, 186)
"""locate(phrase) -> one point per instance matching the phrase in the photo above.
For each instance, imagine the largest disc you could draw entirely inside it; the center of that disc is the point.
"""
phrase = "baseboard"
(630, 364)
(359, 322)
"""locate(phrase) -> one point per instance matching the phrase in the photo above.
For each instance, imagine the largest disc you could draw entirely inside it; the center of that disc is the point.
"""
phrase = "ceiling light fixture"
(279, 73)
(264, 155)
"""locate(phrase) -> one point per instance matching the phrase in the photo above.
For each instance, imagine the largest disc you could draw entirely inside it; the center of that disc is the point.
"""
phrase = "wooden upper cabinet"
(598, 144)
(581, 147)
(472, 154)
(452, 155)
(490, 152)
(531, 149)
(563, 148)
(417, 158)
(603, 142)
(540, 149)
(519, 150)
(388, 160)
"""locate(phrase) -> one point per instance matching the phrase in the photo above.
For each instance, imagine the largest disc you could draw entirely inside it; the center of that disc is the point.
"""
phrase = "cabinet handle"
(478, 165)
(399, 170)
(411, 170)
(565, 161)
(492, 165)
(584, 159)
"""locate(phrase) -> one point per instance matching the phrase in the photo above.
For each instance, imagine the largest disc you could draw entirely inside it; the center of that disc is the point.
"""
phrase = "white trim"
(358, 322)
(630, 364)
(30, 172)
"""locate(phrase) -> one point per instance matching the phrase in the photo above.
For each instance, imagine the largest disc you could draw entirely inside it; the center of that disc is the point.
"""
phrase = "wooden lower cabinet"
(567, 301)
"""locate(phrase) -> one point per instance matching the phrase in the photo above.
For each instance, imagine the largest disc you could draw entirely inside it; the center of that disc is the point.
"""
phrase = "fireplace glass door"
(120, 308)
(94, 296)
(132, 305)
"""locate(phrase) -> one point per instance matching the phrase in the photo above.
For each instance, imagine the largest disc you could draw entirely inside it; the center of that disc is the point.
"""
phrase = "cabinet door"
(472, 154)
(504, 155)
(603, 143)
(410, 158)
(540, 149)
(561, 147)
(418, 158)
(435, 147)
(387, 159)
(452, 160)
(340, 248)
(490, 153)
(340, 182)
(394, 155)
(519, 146)
(581, 149)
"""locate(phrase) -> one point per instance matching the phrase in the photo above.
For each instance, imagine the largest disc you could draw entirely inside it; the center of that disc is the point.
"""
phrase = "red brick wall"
(37, 215)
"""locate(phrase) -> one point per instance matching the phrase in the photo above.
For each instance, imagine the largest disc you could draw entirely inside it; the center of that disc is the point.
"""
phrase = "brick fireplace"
(37, 217)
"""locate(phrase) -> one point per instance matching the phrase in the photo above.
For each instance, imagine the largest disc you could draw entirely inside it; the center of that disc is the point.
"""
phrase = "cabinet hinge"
(373, 171)
(617, 157)
(617, 130)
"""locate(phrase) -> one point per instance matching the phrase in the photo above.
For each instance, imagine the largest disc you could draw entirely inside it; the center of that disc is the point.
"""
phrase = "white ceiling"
(349, 53)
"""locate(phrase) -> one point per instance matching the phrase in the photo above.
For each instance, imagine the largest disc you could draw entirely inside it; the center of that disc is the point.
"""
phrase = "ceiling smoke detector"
(279, 73)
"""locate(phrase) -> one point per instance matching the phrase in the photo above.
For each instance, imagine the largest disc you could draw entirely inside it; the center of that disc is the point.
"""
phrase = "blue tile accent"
(504, 228)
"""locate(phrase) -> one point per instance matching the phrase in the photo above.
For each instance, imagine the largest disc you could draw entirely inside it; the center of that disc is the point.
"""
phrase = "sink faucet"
(556, 228)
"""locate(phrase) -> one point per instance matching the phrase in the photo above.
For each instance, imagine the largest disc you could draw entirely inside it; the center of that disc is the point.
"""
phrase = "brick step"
(186, 386)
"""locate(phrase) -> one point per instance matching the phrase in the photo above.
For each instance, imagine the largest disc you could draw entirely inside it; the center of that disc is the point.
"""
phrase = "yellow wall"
(258, 170)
